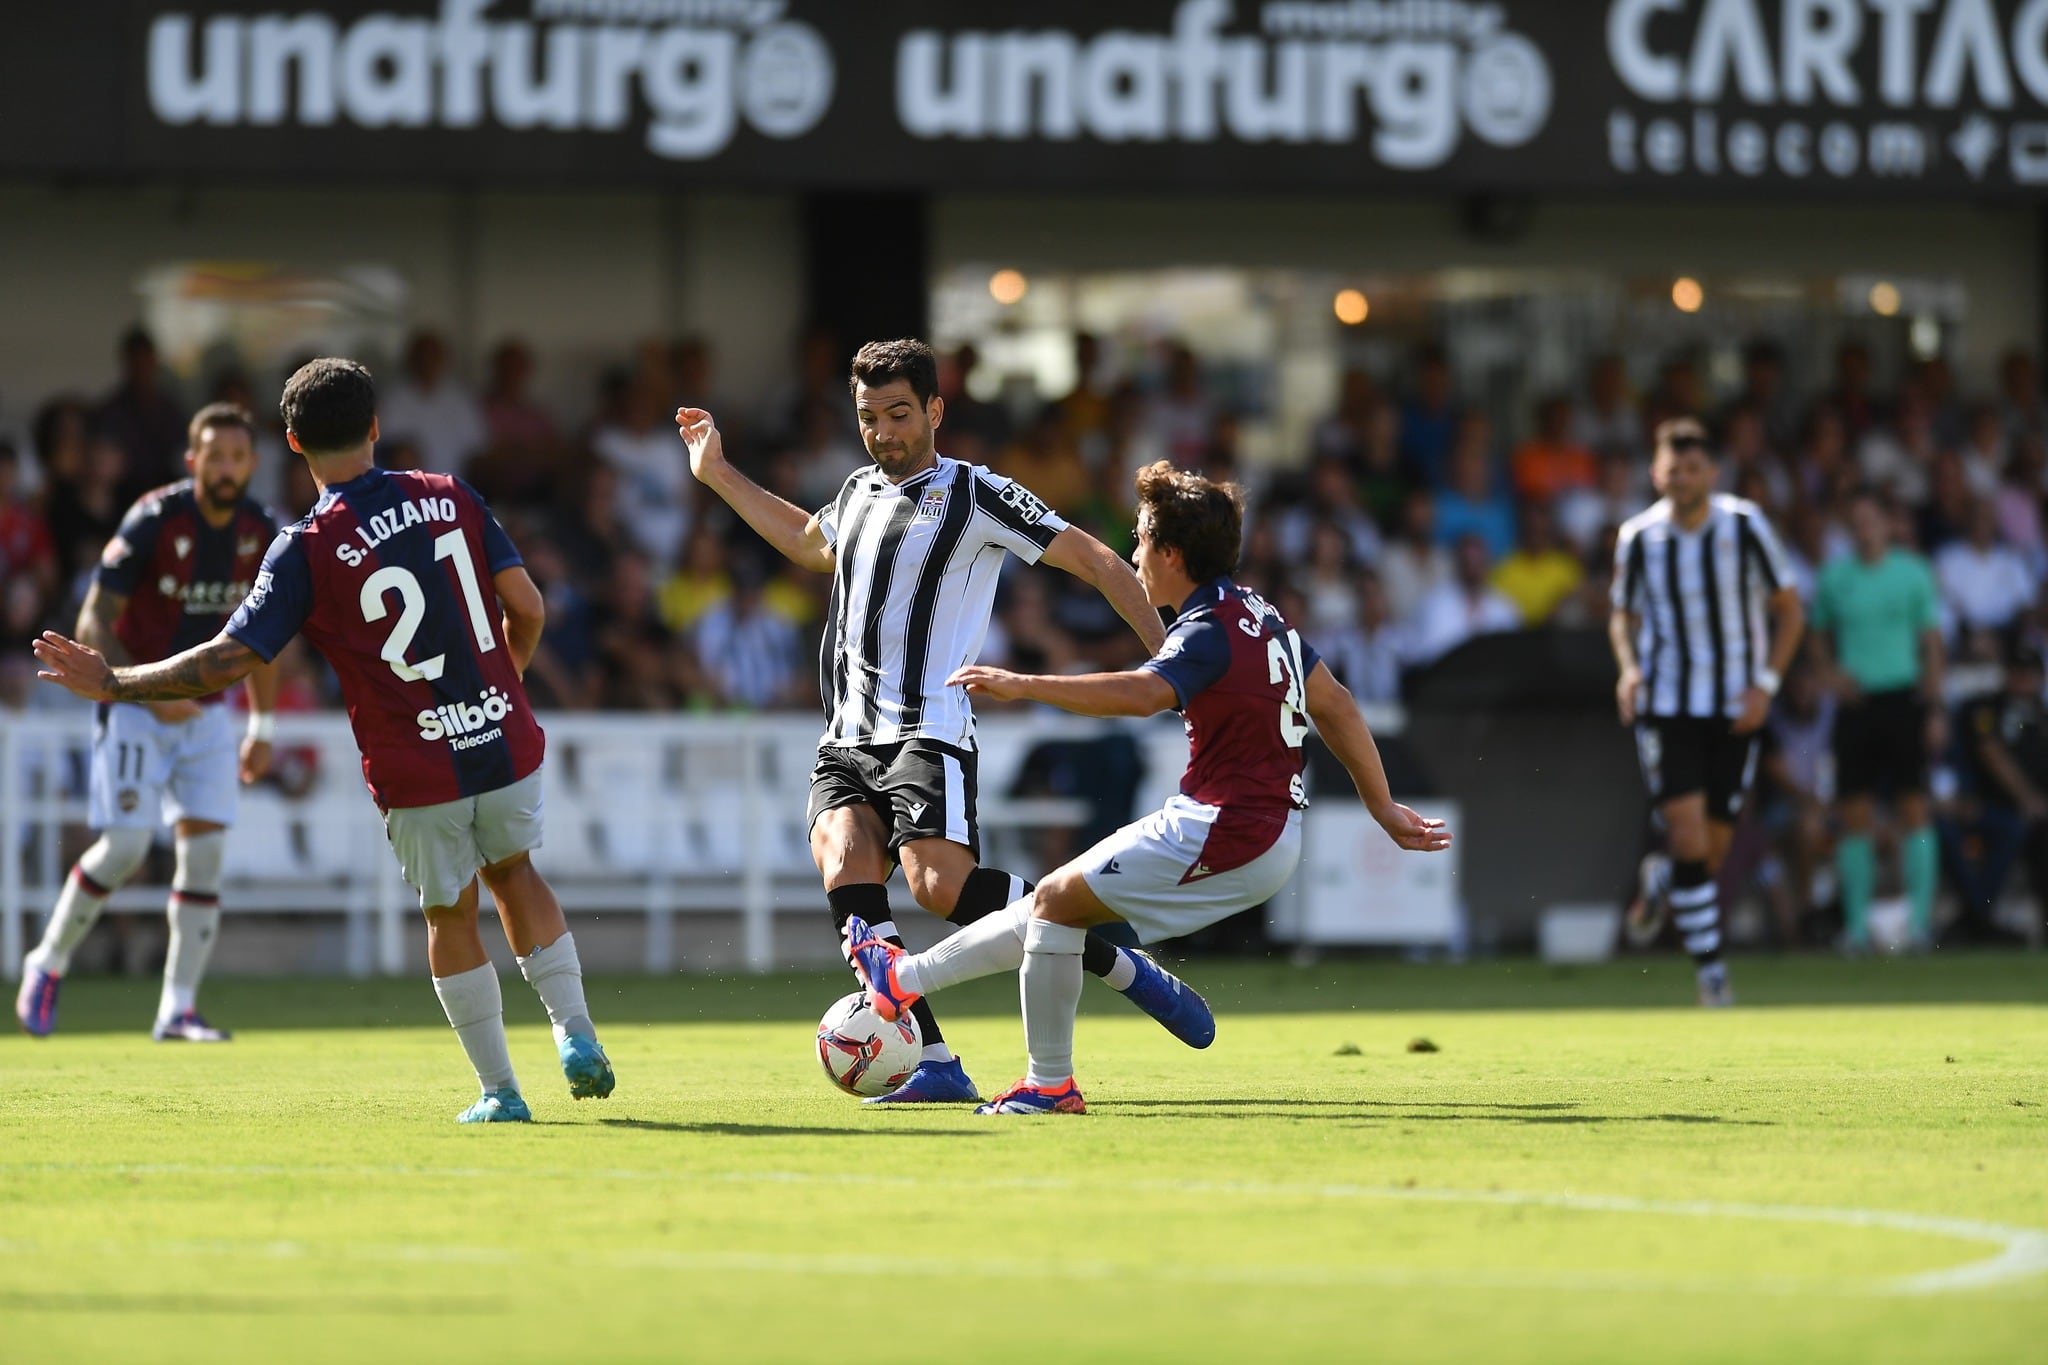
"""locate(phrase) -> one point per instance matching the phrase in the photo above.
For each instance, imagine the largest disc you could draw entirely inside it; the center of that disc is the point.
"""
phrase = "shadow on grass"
(1392, 1111)
(1237, 987)
(250, 1305)
(784, 1129)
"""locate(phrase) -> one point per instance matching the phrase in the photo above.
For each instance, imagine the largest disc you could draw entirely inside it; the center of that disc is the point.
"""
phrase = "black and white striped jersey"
(1700, 596)
(916, 579)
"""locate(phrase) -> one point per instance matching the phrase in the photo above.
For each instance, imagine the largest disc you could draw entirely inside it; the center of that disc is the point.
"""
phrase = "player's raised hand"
(255, 760)
(1412, 831)
(700, 434)
(980, 680)
(81, 668)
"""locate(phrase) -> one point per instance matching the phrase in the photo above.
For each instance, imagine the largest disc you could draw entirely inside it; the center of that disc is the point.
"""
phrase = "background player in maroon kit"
(185, 556)
(409, 587)
(1242, 679)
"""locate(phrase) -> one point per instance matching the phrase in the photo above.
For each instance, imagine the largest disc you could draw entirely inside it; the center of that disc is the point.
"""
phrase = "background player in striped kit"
(408, 586)
(184, 558)
(1705, 623)
(915, 543)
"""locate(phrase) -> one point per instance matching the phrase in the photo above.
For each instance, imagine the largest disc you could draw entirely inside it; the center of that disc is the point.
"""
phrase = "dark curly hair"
(330, 405)
(1201, 518)
(884, 362)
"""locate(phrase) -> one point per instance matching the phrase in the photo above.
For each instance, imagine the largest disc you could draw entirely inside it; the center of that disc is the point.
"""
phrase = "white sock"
(557, 977)
(1124, 974)
(1050, 985)
(99, 872)
(194, 913)
(475, 1007)
(993, 943)
(195, 925)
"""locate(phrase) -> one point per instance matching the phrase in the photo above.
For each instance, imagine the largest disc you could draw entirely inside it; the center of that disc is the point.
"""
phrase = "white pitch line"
(2022, 1252)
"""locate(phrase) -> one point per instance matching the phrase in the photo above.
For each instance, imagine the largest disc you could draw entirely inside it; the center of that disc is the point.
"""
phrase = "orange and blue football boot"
(1025, 1098)
(874, 961)
(36, 1005)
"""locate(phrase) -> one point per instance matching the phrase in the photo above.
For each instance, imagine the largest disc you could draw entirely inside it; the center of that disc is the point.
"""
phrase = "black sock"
(1694, 909)
(1098, 954)
(870, 900)
(986, 890)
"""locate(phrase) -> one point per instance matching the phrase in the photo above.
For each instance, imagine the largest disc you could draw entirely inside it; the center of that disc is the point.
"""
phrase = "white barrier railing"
(656, 814)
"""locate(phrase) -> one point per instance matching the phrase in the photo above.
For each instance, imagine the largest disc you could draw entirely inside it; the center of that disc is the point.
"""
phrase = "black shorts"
(1686, 754)
(921, 788)
(1881, 744)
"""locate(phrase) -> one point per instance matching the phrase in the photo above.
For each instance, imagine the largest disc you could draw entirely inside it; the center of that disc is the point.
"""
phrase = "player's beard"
(222, 494)
(899, 461)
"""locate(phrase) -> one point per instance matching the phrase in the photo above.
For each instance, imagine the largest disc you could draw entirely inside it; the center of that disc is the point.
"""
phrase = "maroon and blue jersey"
(1239, 674)
(390, 577)
(182, 575)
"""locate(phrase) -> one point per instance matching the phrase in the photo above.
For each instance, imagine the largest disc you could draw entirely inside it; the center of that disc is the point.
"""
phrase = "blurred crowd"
(1412, 523)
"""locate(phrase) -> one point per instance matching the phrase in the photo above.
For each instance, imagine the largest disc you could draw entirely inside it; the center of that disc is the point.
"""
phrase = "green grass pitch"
(1852, 1166)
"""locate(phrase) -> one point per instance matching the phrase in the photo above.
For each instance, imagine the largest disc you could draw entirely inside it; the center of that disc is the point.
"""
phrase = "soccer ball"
(862, 1053)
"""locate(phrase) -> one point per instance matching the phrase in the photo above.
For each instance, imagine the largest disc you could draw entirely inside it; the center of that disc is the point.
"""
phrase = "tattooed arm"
(198, 672)
(103, 607)
(96, 620)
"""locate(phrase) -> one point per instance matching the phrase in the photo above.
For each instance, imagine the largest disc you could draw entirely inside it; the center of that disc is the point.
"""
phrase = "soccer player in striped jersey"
(915, 544)
(1706, 620)
(184, 557)
(417, 598)
(1247, 685)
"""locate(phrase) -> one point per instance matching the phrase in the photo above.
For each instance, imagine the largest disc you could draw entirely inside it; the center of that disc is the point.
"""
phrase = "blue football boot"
(497, 1106)
(1170, 1000)
(36, 1005)
(589, 1071)
(933, 1083)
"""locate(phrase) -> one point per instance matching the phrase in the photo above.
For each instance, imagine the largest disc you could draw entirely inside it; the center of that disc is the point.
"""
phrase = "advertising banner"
(1863, 97)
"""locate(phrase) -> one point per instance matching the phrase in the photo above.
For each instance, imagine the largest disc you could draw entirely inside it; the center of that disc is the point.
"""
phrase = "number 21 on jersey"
(1283, 666)
(412, 608)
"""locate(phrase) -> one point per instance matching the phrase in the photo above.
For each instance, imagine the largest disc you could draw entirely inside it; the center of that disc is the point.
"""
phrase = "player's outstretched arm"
(1095, 564)
(199, 672)
(1135, 693)
(791, 530)
(1336, 717)
(525, 613)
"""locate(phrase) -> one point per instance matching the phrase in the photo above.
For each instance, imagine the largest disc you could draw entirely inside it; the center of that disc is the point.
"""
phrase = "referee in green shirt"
(1877, 609)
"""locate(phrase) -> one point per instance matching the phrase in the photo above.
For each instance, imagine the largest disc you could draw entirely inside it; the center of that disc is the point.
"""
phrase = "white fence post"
(757, 896)
(12, 910)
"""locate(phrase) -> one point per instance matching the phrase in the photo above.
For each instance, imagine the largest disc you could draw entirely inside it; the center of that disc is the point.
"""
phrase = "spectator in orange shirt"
(1550, 462)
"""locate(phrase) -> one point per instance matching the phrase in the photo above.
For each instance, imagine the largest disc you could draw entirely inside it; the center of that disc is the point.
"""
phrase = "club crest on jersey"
(933, 507)
(182, 544)
(248, 545)
(466, 724)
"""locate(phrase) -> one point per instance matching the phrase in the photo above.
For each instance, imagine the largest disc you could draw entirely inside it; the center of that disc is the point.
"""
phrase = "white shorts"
(146, 773)
(440, 847)
(1139, 870)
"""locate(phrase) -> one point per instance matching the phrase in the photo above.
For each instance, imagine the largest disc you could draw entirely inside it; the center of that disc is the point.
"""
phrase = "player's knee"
(1054, 899)
(200, 858)
(113, 859)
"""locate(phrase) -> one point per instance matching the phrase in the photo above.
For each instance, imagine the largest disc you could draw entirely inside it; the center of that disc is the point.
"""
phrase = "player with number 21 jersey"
(436, 701)
(417, 598)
